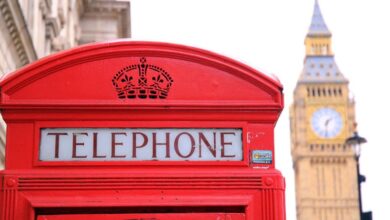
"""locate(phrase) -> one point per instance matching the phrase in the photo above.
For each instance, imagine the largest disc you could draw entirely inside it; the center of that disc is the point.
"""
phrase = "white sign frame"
(141, 144)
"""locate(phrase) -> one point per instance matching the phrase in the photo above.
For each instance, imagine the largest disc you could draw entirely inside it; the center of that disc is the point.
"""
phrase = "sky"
(269, 36)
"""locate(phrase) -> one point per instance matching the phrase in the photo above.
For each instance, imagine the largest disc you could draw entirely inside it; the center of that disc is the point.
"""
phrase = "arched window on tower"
(315, 49)
(323, 49)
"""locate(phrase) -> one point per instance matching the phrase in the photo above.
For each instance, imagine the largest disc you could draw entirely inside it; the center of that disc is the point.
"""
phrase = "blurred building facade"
(322, 117)
(31, 29)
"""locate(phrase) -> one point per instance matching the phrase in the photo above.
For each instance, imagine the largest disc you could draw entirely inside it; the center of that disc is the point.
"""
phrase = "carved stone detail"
(19, 35)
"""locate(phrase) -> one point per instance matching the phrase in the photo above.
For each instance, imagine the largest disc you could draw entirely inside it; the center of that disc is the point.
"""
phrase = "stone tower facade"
(322, 117)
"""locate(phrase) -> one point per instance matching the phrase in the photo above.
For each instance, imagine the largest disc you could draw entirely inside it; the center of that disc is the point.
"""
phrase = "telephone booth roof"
(91, 76)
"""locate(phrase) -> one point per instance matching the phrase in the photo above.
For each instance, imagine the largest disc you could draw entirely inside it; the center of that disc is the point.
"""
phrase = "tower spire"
(318, 26)
(319, 65)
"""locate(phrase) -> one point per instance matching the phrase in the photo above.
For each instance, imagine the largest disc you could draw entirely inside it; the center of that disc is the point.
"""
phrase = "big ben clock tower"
(322, 117)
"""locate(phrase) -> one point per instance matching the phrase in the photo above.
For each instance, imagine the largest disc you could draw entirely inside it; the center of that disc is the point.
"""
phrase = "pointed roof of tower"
(321, 69)
(318, 26)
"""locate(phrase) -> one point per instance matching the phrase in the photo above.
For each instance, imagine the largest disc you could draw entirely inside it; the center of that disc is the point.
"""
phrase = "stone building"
(322, 117)
(31, 29)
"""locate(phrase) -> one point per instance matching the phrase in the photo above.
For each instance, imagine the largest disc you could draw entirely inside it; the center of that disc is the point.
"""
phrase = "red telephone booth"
(138, 130)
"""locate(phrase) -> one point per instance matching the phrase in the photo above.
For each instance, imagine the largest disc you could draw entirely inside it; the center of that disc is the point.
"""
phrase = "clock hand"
(326, 126)
(328, 121)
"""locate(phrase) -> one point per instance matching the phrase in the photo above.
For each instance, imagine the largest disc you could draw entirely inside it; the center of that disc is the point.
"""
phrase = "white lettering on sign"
(146, 144)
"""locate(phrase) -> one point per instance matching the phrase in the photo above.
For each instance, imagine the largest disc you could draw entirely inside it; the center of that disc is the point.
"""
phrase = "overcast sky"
(269, 35)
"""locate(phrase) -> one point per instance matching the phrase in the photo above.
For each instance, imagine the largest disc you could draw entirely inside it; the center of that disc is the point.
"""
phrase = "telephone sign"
(127, 144)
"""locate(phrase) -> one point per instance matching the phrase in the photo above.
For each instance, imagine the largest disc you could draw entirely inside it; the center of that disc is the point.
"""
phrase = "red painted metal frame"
(158, 216)
(74, 89)
(260, 193)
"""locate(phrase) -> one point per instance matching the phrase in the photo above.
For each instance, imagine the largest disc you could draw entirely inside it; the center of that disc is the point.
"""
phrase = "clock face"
(327, 122)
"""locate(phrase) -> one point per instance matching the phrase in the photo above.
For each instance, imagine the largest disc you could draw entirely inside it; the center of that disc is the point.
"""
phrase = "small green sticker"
(262, 156)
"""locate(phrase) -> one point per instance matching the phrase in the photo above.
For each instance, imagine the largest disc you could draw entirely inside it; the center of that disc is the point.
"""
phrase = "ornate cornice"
(17, 29)
(45, 6)
(120, 8)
